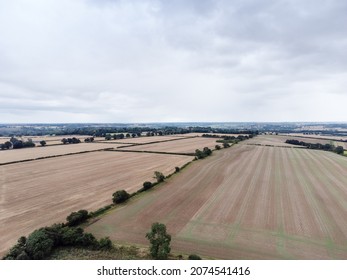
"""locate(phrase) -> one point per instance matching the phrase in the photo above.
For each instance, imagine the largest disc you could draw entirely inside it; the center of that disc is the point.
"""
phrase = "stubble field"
(179, 146)
(246, 202)
(40, 193)
(37, 152)
(145, 139)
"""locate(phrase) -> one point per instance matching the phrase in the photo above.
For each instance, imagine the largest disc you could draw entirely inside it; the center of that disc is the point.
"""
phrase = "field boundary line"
(128, 144)
(150, 152)
(53, 156)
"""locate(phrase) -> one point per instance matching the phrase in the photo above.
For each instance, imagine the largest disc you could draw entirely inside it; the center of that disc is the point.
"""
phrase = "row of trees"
(72, 140)
(15, 143)
(202, 154)
(317, 146)
(122, 195)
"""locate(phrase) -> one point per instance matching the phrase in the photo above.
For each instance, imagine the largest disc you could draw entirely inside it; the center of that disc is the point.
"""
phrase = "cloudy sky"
(173, 60)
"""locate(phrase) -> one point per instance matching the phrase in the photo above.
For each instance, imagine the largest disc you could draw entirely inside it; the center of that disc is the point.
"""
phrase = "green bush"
(159, 176)
(105, 244)
(120, 196)
(76, 218)
(194, 257)
(147, 185)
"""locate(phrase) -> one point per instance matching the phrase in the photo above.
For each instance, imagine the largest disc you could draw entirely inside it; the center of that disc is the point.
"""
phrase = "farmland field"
(180, 146)
(141, 140)
(38, 193)
(313, 136)
(280, 140)
(37, 152)
(246, 202)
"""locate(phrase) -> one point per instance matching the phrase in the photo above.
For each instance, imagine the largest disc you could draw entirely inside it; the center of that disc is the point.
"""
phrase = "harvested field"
(37, 152)
(180, 146)
(246, 202)
(40, 193)
(313, 136)
(142, 140)
(279, 140)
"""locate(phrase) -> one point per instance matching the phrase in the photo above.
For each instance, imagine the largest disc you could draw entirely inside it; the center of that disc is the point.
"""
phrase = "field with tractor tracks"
(245, 202)
(42, 192)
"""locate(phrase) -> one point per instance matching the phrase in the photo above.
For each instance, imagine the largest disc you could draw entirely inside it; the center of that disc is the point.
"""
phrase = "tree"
(160, 241)
(8, 145)
(147, 185)
(159, 176)
(39, 245)
(226, 145)
(177, 169)
(217, 147)
(339, 150)
(199, 154)
(43, 143)
(207, 151)
(18, 144)
(120, 196)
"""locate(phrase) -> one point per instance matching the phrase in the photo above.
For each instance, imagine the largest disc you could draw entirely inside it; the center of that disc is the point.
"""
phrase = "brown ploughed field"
(245, 202)
(179, 146)
(40, 193)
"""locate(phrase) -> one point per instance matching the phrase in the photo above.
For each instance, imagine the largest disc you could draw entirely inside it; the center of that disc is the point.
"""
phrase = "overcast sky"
(173, 60)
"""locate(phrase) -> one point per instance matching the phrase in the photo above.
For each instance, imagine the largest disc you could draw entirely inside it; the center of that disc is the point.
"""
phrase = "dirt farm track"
(245, 202)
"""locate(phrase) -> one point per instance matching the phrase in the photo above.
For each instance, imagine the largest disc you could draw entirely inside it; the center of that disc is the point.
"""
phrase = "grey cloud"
(156, 60)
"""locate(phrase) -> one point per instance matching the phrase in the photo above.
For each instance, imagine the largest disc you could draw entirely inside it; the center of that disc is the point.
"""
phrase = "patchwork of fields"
(180, 146)
(143, 140)
(48, 151)
(42, 192)
(246, 202)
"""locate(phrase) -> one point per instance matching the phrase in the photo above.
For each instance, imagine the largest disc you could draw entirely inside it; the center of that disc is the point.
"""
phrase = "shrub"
(105, 244)
(76, 218)
(194, 257)
(120, 196)
(159, 176)
(16, 250)
(226, 145)
(177, 169)
(147, 185)
(217, 147)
